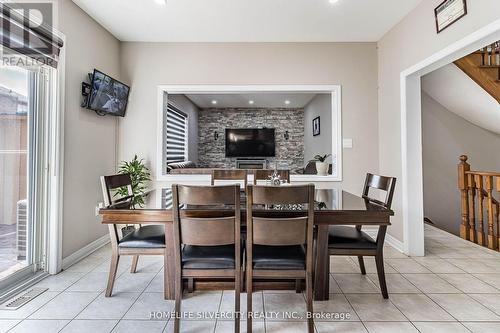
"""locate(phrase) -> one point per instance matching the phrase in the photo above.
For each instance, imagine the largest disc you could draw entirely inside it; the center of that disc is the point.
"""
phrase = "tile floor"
(454, 288)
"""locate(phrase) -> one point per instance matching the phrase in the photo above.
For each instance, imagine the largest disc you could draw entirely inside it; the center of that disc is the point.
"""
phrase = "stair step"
(489, 66)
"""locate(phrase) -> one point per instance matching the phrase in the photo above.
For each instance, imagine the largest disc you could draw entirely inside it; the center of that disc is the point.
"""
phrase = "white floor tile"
(435, 327)
(419, 308)
(463, 307)
(390, 327)
(147, 304)
(341, 327)
(370, 307)
(431, 283)
(113, 307)
(94, 326)
(66, 305)
(39, 326)
(134, 326)
(7, 324)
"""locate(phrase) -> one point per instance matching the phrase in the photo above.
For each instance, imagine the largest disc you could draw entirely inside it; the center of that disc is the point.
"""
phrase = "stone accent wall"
(289, 153)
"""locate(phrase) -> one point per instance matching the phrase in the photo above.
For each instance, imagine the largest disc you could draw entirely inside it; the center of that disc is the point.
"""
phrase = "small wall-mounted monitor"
(107, 95)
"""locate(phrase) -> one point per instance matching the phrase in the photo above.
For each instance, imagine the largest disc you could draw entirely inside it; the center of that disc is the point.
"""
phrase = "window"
(176, 135)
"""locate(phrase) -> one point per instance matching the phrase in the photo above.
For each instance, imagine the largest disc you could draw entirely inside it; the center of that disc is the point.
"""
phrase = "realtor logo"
(26, 28)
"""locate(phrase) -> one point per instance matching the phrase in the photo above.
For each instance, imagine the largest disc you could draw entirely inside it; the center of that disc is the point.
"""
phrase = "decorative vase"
(322, 168)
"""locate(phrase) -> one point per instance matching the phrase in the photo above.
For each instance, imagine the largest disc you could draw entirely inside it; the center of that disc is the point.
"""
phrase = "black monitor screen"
(250, 142)
(108, 95)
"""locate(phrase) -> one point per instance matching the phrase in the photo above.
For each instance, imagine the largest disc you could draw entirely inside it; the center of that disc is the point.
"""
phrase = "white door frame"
(411, 130)
(334, 90)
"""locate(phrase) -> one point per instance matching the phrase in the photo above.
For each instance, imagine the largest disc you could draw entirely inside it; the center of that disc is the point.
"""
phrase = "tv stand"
(251, 164)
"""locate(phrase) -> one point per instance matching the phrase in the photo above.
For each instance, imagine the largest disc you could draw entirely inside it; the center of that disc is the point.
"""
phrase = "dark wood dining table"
(333, 206)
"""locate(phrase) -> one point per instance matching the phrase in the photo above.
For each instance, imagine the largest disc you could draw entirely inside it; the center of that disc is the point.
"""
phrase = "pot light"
(251, 102)
(333, 1)
(287, 102)
(161, 2)
(214, 102)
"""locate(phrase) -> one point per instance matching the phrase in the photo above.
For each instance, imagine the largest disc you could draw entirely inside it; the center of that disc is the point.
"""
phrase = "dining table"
(333, 206)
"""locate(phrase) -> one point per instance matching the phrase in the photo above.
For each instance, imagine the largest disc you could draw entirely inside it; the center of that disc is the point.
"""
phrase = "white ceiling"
(458, 93)
(260, 100)
(248, 20)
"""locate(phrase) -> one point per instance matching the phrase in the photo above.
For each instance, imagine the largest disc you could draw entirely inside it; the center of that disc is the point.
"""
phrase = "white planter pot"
(322, 168)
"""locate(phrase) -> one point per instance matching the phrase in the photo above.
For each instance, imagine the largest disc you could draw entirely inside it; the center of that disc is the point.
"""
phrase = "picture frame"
(316, 126)
(449, 12)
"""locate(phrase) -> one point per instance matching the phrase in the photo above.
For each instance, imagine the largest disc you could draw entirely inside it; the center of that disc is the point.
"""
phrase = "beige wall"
(352, 65)
(89, 140)
(445, 137)
(408, 43)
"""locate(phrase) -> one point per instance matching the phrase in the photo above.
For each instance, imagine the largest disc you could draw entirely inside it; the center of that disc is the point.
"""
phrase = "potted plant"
(140, 175)
(321, 164)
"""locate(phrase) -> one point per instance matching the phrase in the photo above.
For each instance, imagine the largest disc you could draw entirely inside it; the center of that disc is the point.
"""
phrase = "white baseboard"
(85, 251)
(391, 240)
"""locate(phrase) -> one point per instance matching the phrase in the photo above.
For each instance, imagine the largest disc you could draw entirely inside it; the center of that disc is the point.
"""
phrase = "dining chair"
(144, 240)
(352, 241)
(264, 174)
(280, 247)
(229, 174)
(206, 246)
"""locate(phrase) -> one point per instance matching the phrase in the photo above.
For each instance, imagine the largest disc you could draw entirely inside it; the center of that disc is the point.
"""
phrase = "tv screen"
(108, 95)
(250, 142)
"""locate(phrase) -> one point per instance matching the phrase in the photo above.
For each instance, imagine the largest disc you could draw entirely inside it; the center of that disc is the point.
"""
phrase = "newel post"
(463, 167)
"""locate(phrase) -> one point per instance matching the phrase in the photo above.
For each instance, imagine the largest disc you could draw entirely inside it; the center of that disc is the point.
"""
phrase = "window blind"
(176, 135)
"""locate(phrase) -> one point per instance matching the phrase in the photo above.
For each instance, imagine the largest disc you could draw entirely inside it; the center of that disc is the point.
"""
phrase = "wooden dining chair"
(227, 174)
(264, 174)
(352, 241)
(206, 246)
(280, 247)
(144, 240)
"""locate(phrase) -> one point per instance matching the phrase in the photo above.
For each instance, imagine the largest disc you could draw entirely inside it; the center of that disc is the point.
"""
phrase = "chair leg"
(298, 286)
(379, 260)
(249, 301)
(135, 260)
(362, 265)
(178, 298)
(115, 258)
(309, 291)
(237, 290)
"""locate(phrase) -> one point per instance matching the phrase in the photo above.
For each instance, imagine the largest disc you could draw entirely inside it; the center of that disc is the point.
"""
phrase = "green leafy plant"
(320, 158)
(140, 175)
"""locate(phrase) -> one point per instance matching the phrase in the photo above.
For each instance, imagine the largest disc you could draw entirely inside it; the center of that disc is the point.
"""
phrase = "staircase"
(480, 207)
(483, 67)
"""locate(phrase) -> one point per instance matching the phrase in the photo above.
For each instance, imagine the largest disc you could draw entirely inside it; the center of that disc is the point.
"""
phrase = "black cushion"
(279, 257)
(344, 237)
(208, 257)
(150, 236)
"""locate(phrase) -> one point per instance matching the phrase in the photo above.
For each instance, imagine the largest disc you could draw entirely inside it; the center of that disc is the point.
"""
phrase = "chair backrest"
(280, 231)
(190, 229)
(110, 184)
(383, 183)
(263, 174)
(229, 174)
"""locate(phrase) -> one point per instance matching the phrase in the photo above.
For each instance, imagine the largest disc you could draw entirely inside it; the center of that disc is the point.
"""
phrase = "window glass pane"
(176, 135)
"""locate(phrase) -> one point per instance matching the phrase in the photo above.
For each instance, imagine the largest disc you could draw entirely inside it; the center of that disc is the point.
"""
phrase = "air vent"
(18, 301)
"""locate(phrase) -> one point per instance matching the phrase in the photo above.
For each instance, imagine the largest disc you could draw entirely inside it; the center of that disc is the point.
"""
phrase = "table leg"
(321, 278)
(169, 267)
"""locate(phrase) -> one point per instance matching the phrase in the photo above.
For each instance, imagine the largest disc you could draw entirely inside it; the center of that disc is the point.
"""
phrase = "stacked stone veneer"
(289, 153)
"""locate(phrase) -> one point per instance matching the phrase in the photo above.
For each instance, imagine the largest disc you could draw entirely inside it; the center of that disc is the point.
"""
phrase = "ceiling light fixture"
(214, 102)
(250, 102)
(333, 1)
(287, 102)
(161, 2)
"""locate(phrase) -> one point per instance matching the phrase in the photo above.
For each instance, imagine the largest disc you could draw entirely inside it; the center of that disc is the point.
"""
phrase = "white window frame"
(334, 90)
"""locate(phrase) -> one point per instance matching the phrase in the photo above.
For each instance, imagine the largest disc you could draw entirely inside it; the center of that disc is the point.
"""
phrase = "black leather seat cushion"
(344, 237)
(209, 257)
(279, 257)
(149, 236)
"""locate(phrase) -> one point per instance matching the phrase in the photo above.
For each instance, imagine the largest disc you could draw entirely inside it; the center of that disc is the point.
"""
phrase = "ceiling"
(248, 20)
(260, 100)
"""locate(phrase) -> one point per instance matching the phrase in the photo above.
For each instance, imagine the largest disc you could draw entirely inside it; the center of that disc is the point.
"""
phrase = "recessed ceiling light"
(333, 1)
(250, 102)
(214, 102)
(287, 102)
(161, 2)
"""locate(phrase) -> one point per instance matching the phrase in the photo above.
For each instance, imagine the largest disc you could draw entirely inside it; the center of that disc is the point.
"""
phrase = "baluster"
(492, 242)
(497, 219)
(478, 179)
(463, 167)
(472, 208)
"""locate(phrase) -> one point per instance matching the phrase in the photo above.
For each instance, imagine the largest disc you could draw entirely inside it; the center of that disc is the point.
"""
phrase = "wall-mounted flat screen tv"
(250, 142)
(108, 95)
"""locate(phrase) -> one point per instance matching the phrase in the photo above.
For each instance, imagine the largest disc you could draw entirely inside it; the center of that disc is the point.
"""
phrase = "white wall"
(320, 105)
(446, 136)
(352, 65)
(89, 140)
(191, 110)
(408, 43)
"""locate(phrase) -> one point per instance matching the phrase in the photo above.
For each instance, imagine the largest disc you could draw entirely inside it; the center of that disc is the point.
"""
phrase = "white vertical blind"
(176, 135)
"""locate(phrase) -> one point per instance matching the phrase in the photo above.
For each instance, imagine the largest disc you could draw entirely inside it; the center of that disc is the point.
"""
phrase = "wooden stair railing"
(476, 187)
(483, 67)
